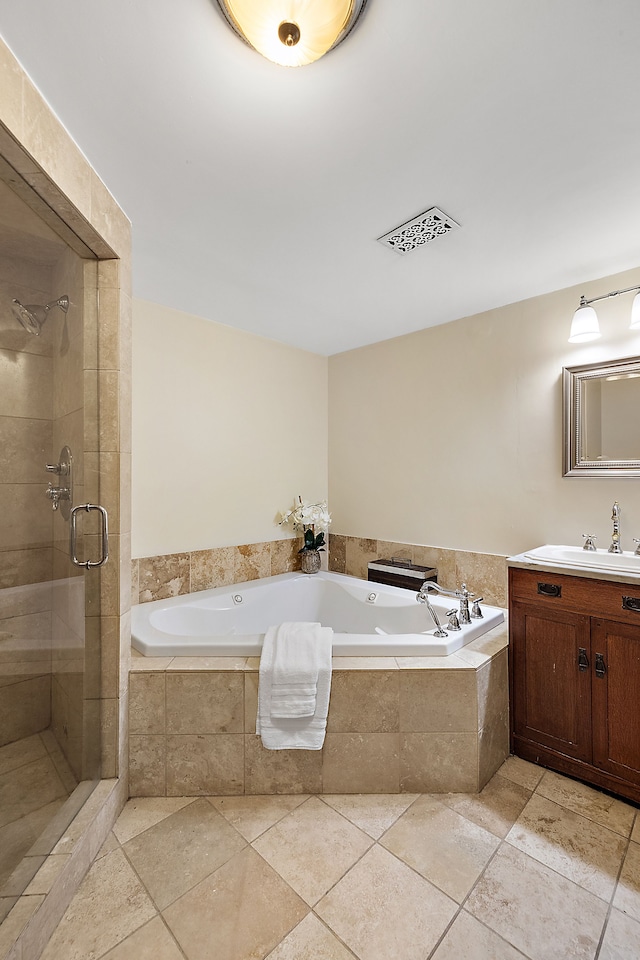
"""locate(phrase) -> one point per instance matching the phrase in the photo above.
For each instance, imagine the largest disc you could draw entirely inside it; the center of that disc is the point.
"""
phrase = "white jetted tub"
(368, 619)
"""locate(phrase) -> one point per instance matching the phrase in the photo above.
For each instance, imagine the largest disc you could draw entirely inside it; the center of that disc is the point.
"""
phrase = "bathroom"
(488, 422)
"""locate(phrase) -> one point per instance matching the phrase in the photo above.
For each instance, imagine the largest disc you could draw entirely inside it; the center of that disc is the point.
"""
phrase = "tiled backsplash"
(174, 574)
(155, 578)
(484, 573)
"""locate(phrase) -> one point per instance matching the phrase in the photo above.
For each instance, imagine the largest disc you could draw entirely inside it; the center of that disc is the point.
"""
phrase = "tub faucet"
(463, 595)
(424, 598)
(615, 536)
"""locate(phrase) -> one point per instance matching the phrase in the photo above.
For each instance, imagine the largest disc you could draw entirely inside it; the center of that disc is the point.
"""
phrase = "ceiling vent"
(430, 225)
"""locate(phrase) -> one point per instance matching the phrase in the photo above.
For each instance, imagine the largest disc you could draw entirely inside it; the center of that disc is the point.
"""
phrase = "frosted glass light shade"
(321, 24)
(584, 325)
(635, 313)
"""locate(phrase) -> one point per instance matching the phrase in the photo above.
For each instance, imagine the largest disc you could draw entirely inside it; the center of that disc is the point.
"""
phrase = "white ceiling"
(257, 192)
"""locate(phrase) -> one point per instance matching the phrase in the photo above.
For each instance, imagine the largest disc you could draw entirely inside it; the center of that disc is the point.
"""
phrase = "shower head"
(32, 316)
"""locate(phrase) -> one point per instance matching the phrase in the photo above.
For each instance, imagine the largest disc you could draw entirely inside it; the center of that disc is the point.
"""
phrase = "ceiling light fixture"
(292, 33)
(585, 327)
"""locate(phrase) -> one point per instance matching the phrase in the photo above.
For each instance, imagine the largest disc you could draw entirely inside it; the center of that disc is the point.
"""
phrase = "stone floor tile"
(627, 895)
(110, 904)
(468, 939)
(373, 813)
(251, 816)
(542, 914)
(143, 812)
(496, 808)
(600, 807)
(312, 848)
(521, 771)
(310, 940)
(577, 848)
(18, 837)
(20, 752)
(15, 920)
(181, 850)
(621, 939)
(108, 846)
(28, 788)
(151, 942)
(240, 912)
(442, 846)
(383, 910)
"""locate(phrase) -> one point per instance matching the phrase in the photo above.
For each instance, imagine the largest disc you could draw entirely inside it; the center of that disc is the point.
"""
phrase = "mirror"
(601, 412)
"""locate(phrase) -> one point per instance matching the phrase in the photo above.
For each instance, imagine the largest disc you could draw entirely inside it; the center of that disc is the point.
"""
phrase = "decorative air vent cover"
(423, 229)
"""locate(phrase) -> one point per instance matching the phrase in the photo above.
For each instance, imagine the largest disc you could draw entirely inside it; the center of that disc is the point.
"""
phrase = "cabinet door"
(551, 679)
(616, 698)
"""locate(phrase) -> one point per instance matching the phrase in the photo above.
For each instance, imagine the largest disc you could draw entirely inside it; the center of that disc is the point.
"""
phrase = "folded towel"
(294, 686)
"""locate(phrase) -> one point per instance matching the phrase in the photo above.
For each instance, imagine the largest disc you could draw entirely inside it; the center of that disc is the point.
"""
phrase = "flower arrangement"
(306, 517)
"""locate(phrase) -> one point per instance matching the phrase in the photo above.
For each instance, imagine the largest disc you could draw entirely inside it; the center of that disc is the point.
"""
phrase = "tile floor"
(536, 866)
(35, 780)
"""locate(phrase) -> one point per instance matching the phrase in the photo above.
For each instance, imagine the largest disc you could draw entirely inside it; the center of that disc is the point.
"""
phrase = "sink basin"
(626, 562)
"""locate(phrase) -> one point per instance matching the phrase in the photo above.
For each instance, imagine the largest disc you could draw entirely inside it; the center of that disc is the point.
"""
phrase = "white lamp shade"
(584, 325)
(635, 313)
(320, 22)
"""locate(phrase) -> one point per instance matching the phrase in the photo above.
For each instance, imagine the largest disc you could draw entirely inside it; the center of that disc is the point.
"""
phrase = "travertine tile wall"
(171, 575)
(484, 573)
(431, 725)
(155, 578)
(26, 428)
(26, 431)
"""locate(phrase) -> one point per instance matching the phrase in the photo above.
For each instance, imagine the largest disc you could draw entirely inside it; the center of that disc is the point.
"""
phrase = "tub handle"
(104, 539)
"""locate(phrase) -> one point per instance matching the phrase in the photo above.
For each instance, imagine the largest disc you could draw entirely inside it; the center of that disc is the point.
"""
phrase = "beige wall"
(452, 436)
(227, 428)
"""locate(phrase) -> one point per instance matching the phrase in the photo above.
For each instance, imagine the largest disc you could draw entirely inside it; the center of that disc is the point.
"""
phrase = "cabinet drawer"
(597, 598)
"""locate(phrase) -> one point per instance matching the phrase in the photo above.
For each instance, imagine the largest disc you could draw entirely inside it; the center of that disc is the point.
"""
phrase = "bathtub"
(368, 619)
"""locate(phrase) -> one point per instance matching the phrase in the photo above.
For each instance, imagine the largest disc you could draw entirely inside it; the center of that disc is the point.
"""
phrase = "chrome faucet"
(424, 598)
(463, 595)
(615, 536)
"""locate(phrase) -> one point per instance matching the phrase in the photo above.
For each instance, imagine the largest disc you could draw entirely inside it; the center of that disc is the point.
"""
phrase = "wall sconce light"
(292, 33)
(584, 325)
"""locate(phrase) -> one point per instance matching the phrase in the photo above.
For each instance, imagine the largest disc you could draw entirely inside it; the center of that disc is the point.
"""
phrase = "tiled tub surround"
(170, 575)
(395, 725)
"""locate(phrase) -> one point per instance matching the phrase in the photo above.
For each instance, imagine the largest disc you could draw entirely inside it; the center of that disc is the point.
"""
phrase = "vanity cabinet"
(575, 676)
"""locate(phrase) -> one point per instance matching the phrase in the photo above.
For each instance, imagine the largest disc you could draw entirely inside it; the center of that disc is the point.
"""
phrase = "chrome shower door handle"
(73, 534)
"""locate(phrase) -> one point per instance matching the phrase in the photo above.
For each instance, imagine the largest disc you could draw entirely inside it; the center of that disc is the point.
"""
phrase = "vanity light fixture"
(584, 325)
(292, 33)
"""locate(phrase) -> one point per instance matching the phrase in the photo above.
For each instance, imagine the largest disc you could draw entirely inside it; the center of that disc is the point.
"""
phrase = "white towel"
(294, 686)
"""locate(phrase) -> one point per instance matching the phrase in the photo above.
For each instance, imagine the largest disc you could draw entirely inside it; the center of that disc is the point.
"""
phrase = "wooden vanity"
(574, 675)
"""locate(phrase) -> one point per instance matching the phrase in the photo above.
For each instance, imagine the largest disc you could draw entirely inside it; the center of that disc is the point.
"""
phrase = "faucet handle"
(476, 612)
(637, 550)
(454, 623)
(589, 539)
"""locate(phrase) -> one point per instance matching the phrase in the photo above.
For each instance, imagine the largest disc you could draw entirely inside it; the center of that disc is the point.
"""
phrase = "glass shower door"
(49, 606)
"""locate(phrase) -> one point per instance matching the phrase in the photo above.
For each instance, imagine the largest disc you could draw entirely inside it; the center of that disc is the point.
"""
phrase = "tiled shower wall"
(26, 432)
(156, 578)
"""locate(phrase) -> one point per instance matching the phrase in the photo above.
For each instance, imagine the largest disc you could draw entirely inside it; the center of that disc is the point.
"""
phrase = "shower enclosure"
(49, 605)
